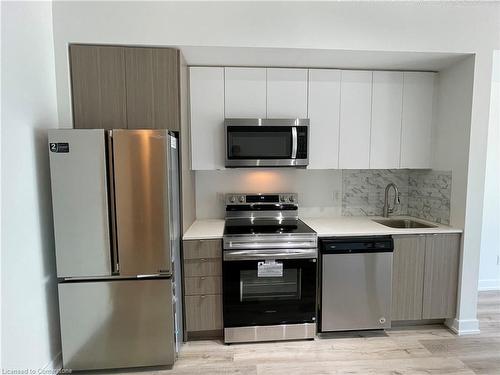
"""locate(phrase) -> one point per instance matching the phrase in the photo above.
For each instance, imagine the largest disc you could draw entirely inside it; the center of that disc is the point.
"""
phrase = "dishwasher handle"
(356, 251)
(354, 245)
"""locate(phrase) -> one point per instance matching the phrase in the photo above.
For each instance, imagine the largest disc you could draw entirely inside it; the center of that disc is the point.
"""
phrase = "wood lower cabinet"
(200, 285)
(200, 249)
(408, 277)
(203, 312)
(442, 254)
(425, 276)
(202, 261)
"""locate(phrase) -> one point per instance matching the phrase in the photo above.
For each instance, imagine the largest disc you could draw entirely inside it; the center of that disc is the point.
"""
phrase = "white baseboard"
(489, 284)
(55, 364)
(463, 327)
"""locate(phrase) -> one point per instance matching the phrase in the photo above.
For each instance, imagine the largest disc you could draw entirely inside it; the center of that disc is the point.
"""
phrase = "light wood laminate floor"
(415, 350)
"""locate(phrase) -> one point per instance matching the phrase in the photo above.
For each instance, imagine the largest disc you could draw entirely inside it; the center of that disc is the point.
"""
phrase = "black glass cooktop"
(265, 226)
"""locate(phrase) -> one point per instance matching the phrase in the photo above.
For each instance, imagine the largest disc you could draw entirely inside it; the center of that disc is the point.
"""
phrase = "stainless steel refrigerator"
(115, 197)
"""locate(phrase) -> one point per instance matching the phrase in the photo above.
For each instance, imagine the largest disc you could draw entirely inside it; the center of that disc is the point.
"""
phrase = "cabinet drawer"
(202, 267)
(198, 249)
(203, 285)
(203, 313)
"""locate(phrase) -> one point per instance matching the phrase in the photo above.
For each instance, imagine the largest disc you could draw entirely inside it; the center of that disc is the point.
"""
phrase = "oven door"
(269, 292)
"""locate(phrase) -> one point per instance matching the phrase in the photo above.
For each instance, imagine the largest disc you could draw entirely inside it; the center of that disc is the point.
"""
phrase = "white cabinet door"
(286, 93)
(324, 111)
(355, 117)
(386, 120)
(207, 117)
(245, 95)
(416, 130)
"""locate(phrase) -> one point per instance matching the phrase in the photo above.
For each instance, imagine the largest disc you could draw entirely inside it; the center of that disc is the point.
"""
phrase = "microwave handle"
(294, 142)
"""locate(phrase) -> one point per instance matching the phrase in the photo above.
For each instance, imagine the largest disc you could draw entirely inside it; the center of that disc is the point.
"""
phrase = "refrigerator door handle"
(112, 205)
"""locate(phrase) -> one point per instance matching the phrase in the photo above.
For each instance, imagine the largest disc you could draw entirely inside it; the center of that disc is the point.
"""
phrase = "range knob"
(242, 199)
(291, 198)
(233, 199)
(282, 199)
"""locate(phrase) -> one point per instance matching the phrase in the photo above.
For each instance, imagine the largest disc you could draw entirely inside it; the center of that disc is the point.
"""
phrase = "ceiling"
(319, 58)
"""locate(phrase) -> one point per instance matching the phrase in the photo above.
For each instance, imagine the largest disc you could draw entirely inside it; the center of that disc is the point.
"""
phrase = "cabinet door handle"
(202, 278)
(203, 259)
(202, 296)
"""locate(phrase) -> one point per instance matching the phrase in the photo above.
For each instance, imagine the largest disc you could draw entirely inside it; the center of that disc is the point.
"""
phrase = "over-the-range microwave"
(266, 142)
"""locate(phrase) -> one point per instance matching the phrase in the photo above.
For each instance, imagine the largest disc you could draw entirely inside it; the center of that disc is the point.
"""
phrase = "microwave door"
(266, 143)
(294, 143)
(141, 160)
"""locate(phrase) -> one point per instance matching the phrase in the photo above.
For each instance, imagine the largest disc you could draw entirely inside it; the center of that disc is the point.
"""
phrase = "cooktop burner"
(265, 226)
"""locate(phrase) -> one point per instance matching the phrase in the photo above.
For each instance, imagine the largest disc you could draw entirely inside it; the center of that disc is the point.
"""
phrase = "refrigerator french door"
(116, 222)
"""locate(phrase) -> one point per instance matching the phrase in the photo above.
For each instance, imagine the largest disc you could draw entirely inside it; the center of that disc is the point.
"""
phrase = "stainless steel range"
(269, 269)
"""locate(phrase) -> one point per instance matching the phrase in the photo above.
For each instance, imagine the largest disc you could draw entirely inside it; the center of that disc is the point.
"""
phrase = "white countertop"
(326, 227)
(365, 226)
(205, 229)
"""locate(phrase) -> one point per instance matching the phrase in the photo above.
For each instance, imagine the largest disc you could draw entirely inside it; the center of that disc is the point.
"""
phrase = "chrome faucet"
(389, 210)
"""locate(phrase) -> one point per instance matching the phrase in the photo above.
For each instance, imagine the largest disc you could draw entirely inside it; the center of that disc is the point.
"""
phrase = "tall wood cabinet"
(125, 87)
(425, 276)
(98, 87)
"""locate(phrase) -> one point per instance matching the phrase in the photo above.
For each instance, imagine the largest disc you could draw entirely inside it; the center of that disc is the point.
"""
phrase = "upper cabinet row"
(358, 119)
(124, 87)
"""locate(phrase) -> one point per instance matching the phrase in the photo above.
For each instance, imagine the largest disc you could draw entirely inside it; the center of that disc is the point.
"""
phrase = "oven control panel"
(271, 198)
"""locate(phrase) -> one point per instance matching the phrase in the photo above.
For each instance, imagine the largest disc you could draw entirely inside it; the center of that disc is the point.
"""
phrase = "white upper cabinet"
(355, 118)
(245, 95)
(324, 112)
(416, 130)
(386, 120)
(207, 117)
(286, 93)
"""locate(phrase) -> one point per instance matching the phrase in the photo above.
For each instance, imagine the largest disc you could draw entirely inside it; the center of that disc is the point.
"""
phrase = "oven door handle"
(294, 142)
(230, 255)
(268, 245)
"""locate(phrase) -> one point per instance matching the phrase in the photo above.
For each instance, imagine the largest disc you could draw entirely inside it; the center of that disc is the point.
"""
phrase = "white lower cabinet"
(324, 112)
(355, 118)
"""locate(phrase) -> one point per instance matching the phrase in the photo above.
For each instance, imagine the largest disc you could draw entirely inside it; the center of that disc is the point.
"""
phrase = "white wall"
(319, 190)
(465, 27)
(452, 117)
(489, 270)
(30, 320)
(452, 132)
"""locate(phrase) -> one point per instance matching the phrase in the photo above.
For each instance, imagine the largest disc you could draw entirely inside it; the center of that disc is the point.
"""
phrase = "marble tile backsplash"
(430, 194)
(424, 193)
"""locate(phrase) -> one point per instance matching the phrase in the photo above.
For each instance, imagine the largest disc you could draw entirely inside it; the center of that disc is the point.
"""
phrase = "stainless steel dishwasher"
(356, 283)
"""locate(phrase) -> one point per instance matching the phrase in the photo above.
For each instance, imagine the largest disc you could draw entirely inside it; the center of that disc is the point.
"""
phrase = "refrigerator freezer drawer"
(117, 324)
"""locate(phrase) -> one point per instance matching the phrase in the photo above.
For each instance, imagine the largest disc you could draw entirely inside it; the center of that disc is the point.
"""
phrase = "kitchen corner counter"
(205, 229)
(365, 226)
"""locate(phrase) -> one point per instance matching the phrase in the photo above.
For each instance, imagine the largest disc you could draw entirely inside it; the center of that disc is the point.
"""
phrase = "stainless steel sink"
(403, 223)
